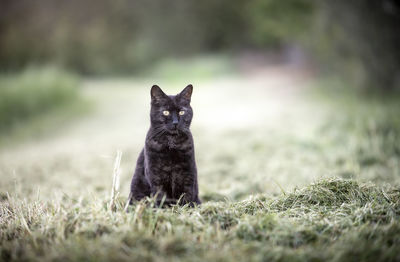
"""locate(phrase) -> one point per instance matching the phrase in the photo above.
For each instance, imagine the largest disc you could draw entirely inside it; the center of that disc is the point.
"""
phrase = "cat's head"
(172, 114)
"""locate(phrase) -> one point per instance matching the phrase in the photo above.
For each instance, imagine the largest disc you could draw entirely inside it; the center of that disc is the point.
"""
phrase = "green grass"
(34, 92)
(331, 220)
(363, 131)
(303, 175)
(202, 67)
(35, 97)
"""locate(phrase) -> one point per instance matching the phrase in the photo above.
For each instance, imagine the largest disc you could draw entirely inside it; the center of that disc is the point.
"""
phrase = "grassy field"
(36, 99)
(290, 169)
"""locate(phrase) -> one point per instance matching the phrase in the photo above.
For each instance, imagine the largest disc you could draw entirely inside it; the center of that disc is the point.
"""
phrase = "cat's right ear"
(156, 93)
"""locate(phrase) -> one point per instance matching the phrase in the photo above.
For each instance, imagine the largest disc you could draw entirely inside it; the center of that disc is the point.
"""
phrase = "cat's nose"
(174, 119)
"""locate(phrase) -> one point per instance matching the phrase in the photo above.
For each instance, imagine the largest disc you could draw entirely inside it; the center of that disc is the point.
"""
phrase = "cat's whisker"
(158, 131)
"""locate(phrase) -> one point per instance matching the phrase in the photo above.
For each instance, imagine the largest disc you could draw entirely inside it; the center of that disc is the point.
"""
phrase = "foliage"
(280, 22)
(98, 37)
(360, 40)
(357, 39)
(103, 37)
(32, 93)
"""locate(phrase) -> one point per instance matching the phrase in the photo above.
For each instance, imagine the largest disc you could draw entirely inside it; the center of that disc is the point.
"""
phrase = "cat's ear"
(186, 93)
(156, 93)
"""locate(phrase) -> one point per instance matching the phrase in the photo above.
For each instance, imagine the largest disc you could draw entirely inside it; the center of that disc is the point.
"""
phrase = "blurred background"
(360, 39)
(285, 91)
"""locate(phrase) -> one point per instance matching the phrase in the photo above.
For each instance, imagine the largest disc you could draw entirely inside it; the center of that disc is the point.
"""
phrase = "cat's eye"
(181, 113)
(165, 113)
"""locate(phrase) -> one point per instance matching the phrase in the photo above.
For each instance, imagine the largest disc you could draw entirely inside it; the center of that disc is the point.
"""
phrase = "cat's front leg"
(190, 193)
(158, 193)
(188, 199)
(161, 197)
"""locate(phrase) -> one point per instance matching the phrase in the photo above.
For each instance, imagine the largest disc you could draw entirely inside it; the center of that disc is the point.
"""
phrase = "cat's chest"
(168, 144)
(168, 160)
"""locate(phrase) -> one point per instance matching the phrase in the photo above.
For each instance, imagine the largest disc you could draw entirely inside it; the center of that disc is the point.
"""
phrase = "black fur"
(166, 167)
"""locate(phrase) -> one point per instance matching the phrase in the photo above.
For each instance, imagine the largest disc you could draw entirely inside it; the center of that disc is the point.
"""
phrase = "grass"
(330, 220)
(29, 99)
(202, 67)
(285, 174)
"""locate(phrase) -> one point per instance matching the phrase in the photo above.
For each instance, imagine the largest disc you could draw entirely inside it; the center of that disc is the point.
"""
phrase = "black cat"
(166, 167)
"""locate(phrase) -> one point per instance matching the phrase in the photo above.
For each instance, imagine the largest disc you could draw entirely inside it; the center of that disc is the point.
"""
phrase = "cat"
(166, 167)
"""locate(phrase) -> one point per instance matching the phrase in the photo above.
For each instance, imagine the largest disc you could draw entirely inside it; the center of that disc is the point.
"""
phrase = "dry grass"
(333, 219)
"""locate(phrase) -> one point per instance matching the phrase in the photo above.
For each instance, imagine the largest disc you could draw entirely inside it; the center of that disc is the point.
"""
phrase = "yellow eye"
(165, 113)
(181, 113)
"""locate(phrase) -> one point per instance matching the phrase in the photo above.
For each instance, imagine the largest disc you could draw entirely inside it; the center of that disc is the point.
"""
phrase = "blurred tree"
(114, 36)
(359, 38)
(279, 22)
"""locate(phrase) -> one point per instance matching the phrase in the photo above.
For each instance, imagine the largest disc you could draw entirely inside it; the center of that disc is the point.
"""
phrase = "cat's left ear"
(186, 93)
(157, 94)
